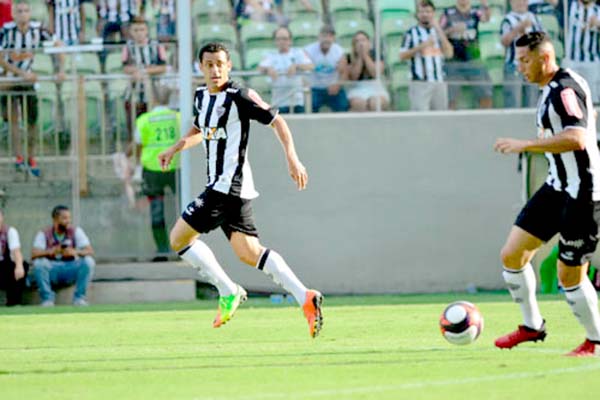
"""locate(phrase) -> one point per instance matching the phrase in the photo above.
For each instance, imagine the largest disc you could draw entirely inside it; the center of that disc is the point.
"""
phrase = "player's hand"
(298, 173)
(164, 158)
(272, 73)
(333, 90)
(509, 145)
(19, 272)
(30, 76)
(292, 70)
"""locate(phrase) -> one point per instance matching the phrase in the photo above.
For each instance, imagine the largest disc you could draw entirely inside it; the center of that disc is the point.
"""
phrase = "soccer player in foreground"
(222, 123)
(567, 204)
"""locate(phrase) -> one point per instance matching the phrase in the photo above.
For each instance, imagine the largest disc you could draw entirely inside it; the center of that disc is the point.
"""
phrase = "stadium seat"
(86, 63)
(442, 4)
(559, 48)
(344, 9)
(490, 28)
(224, 33)
(491, 47)
(114, 64)
(305, 31)
(236, 59)
(254, 56)
(294, 9)
(262, 84)
(392, 59)
(399, 87)
(39, 12)
(346, 28)
(42, 64)
(211, 11)
(392, 29)
(257, 34)
(550, 25)
(395, 8)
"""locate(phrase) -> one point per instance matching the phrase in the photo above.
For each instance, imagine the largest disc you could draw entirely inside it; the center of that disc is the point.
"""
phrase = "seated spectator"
(582, 50)
(516, 23)
(62, 255)
(283, 67)
(166, 16)
(19, 39)
(426, 46)
(142, 58)
(330, 70)
(66, 21)
(366, 93)
(461, 25)
(13, 269)
(260, 10)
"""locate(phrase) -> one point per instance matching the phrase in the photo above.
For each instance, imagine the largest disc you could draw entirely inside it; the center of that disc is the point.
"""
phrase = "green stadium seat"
(395, 8)
(392, 29)
(42, 64)
(255, 56)
(346, 28)
(442, 4)
(212, 11)
(399, 87)
(85, 63)
(236, 59)
(114, 64)
(490, 28)
(344, 9)
(305, 31)
(294, 9)
(39, 12)
(559, 48)
(224, 33)
(257, 34)
(491, 47)
(262, 85)
(550, 25)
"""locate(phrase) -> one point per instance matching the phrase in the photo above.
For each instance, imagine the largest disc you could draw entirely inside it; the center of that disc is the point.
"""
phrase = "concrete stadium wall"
(396, 203)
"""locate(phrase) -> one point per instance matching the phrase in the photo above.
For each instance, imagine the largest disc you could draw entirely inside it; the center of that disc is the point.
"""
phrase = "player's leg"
(250, 251)
(577, 243)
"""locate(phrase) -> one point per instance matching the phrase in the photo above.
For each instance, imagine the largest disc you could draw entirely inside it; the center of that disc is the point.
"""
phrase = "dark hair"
(285, 28)
(427, 3)
(327, 29)
(212, 47)
(533, 40)
(59, 209)
(138, 20)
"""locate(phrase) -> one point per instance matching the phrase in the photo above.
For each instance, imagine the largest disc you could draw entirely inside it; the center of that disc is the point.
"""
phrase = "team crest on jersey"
(214, 133)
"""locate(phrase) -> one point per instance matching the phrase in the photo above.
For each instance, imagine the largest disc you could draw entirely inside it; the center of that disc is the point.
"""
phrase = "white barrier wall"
(396, 203)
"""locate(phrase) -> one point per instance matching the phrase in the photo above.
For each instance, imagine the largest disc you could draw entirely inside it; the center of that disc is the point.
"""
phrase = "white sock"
(521, 285)
(202, 258)
(272, 264)
(583, 301)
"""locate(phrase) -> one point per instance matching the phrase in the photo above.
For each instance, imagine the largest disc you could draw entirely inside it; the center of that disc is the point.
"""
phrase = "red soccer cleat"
(586, 349)
(522, 334)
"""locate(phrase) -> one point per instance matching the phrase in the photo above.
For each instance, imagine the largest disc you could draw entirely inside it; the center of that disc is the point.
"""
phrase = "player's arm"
(295, 167)
(570, 139)
(192, 138)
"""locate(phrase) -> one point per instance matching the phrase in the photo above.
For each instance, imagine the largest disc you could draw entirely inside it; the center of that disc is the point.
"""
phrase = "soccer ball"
(461, 323)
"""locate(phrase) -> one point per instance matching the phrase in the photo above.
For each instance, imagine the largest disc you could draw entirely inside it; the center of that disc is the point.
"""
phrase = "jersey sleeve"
(13, 239)
(196, 111)
(570, 106)
(39, 242)
(256, 108)
(505, 27)
(81, 238)
(407, 43)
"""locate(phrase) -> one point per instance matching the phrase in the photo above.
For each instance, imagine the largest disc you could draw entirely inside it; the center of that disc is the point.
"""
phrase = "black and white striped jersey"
(12, 38)
(224, 120)
(67, 20)
(582, 43)
(115, 10)
(509, 23)
(566, 102)
(426, 66)
(143, 55)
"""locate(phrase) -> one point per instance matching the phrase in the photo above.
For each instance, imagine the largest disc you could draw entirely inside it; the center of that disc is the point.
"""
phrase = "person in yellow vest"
(155, 132)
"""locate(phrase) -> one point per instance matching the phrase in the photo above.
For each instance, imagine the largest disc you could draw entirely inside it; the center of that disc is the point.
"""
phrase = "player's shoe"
(522, 334)
(586, 349)
(312, 312)
(228, 305)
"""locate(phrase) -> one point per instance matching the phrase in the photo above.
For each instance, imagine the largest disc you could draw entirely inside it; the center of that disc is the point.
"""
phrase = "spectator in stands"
(426, 46)
(113, 19)
(582, 50)
(143, 59)
(366, 93)
(166, 17)
(62, 255)
(18, 39)
(13, 269)
(156, 131)
(283, 67)
(541, 6)
(516, 23)
(260, 10)
(66, 21)
(5, 11)
(329, 72)
(461, 25)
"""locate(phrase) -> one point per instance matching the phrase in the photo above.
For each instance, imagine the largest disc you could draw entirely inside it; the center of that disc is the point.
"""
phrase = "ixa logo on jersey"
(214, 133)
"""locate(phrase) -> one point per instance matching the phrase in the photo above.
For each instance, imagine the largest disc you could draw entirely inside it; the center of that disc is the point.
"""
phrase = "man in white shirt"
(283, 67)
(62, 254)
(13, 269)
(329, 72)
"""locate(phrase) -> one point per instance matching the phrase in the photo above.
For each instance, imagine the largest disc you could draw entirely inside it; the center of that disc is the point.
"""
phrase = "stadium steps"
(125, 283)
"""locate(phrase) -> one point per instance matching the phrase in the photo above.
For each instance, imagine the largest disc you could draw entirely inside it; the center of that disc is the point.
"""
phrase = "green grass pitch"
(373, 347)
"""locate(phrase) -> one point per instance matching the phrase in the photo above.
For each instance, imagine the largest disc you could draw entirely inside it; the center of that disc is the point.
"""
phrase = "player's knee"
(176, 241)
(512, 259)
(569, 276)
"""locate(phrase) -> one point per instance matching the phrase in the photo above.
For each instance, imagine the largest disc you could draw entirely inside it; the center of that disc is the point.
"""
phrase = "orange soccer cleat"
(312, 312)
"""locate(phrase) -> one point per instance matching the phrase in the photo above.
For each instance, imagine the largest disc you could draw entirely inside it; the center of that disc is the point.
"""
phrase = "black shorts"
(155, 182)
(550, 212)
(212, 209)
(28, 99)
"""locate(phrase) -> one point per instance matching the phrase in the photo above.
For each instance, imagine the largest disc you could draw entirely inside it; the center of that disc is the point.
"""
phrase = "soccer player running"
(567, 204)
(222, 123)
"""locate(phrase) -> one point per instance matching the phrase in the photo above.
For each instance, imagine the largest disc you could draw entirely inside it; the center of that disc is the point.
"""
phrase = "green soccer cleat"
(228, 305)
